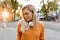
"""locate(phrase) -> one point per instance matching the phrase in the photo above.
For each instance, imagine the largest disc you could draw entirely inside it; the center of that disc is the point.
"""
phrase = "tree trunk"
(14, 15)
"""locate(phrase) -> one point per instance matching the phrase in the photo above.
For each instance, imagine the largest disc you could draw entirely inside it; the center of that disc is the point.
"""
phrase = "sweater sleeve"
(19, 33)
(42, 32)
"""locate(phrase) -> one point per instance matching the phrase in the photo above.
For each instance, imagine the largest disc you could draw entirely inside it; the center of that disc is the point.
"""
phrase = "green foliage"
(44, 11)
(14, 4)
(20, 5)
(52, 6)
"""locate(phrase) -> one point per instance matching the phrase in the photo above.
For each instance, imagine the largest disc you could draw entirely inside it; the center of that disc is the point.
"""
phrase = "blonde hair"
(33, 10)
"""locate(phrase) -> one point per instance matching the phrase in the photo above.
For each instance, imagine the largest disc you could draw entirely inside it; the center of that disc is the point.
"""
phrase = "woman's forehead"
(25, 10)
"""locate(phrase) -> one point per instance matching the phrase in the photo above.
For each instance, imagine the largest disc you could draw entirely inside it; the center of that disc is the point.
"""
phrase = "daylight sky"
(36, 3)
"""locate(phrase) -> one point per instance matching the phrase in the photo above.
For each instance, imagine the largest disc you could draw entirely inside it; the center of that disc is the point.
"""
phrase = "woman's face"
(28, 15)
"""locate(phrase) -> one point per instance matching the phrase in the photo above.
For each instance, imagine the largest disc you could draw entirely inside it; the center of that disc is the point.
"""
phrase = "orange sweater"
(31, 33)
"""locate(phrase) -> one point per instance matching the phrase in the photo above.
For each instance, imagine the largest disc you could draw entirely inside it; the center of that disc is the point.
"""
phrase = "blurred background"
(47, 12)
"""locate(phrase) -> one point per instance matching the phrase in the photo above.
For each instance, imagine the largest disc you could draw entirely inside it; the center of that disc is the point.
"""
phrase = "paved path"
(52, 31)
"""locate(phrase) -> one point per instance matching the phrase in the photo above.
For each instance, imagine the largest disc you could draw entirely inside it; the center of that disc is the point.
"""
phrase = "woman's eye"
(26, 14)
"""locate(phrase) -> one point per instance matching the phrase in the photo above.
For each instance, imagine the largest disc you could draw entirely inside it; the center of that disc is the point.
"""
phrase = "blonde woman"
(29, 28)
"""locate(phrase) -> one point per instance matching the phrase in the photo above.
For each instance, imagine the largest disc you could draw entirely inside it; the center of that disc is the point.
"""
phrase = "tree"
(44, 11)
(50, 6)
(14, 6)
(21, 5)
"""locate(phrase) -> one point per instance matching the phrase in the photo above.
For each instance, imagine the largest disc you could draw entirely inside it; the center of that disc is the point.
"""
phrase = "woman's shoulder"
(40, 24)
(19, 24)
(20, 21)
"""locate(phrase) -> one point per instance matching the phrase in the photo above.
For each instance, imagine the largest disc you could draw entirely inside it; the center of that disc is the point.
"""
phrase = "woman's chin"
(27, 20)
